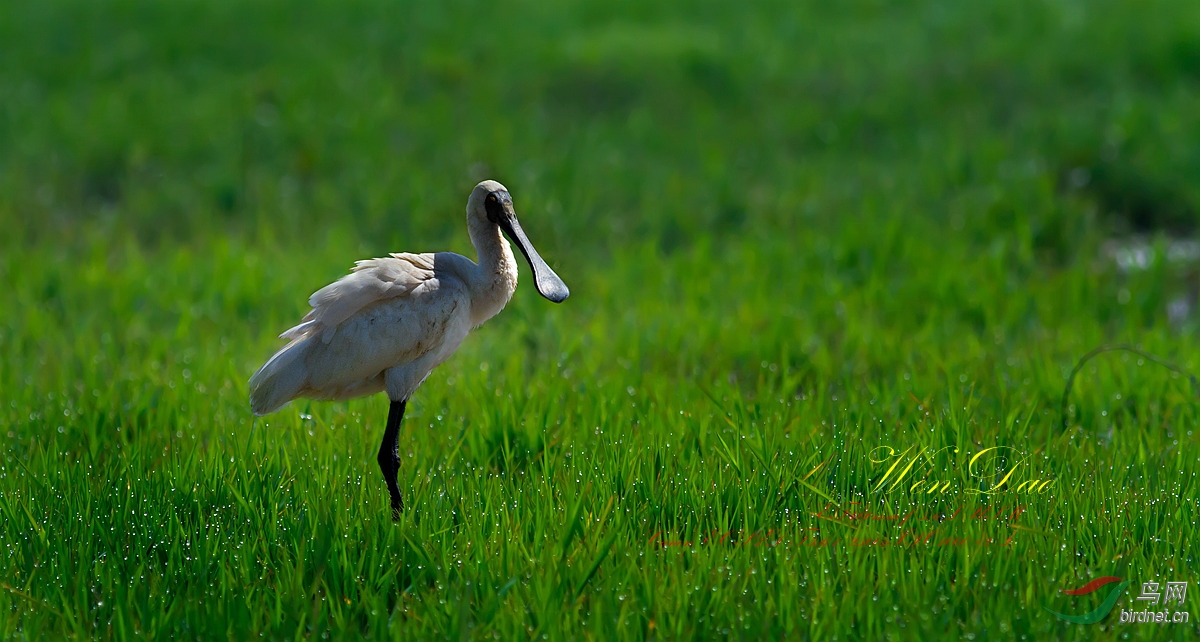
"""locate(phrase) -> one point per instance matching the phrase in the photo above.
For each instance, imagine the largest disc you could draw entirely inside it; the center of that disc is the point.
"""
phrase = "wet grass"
(794, 235)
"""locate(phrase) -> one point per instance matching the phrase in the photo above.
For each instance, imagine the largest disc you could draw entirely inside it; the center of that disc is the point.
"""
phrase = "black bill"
(547, 282)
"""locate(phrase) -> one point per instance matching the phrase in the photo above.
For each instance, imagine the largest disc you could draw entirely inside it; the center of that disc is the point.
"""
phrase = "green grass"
(794, 233)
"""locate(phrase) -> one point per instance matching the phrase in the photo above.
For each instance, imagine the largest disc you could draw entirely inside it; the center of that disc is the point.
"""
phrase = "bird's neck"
(496, 279)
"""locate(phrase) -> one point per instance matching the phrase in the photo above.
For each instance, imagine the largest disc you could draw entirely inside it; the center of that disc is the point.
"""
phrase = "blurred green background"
(868, 208)
(950, 155)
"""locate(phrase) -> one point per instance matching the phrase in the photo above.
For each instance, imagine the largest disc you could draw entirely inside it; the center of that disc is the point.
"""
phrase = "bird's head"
(490, 202)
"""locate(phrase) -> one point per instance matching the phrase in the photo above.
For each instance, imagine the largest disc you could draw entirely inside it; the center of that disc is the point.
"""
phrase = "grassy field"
(797, 234)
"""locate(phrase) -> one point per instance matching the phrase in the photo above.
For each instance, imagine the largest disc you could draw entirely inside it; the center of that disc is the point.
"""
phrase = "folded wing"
(369, 282)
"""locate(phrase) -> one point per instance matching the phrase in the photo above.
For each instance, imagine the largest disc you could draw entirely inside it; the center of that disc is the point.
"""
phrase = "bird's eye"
(491, 198)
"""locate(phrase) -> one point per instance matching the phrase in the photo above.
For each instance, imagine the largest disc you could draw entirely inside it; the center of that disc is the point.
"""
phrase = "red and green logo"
(1105, 606)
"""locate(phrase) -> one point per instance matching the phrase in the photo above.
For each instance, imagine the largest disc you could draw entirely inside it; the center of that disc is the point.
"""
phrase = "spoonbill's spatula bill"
(391, 321)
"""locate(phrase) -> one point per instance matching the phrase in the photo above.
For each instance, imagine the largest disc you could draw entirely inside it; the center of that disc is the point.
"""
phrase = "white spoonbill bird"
(391, 321)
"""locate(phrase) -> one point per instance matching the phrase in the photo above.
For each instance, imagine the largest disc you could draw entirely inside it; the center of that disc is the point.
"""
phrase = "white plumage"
(391, 321)
(386, 319)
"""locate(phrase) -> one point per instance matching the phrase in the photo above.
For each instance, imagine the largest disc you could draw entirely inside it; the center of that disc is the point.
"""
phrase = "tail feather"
(280, 379)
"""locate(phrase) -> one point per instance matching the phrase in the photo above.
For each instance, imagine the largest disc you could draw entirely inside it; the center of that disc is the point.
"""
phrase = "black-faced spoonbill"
(391, 321)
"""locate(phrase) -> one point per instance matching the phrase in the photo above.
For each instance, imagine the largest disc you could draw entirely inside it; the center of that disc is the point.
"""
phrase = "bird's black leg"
(389, 455)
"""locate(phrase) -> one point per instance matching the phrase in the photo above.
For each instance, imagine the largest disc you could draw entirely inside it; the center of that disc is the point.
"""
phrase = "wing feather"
(370, 281)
